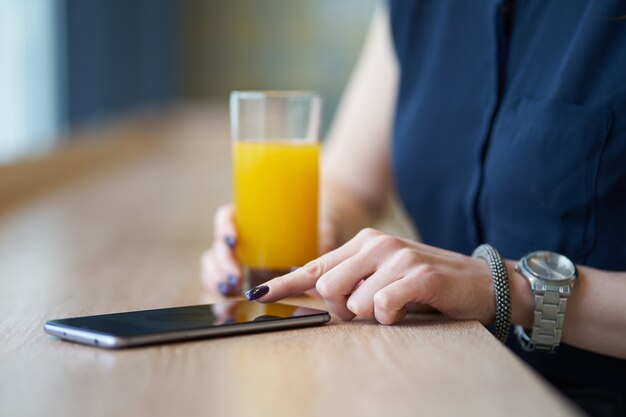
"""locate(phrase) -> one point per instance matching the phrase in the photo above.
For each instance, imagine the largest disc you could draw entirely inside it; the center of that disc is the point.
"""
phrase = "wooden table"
(122, 228)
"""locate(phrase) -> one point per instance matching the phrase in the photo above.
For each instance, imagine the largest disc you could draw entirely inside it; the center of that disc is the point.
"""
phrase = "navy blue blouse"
(510, 129)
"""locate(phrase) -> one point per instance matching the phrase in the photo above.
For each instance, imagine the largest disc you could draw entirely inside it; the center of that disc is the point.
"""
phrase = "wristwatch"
(552, 277)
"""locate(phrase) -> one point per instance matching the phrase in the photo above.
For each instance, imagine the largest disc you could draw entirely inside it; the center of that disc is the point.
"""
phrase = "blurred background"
(65, 64)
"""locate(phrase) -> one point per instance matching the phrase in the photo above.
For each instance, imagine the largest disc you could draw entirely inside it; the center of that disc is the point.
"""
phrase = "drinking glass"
(275, 151)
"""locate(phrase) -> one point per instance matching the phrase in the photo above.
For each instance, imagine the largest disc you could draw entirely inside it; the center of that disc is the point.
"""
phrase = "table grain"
(127, 234)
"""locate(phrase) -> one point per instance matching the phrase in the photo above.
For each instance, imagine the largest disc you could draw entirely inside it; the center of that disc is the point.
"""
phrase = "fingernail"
(257, 292)
(222, 287)
(232, 280)
(230, 241)
(293, 268)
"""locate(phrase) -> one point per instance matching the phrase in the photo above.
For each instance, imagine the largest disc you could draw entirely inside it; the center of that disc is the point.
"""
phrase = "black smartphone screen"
(140, 327)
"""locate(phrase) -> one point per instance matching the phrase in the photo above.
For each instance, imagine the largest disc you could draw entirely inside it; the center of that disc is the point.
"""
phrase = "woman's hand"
(380, 276)
(221, 273)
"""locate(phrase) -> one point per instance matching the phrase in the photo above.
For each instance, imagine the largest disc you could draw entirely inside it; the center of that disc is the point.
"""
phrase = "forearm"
(596, 313)
(356, 175)
(595, 319)
(343, 213)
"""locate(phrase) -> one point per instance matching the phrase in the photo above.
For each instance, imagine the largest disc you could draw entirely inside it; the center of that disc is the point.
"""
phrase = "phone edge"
(107, 341)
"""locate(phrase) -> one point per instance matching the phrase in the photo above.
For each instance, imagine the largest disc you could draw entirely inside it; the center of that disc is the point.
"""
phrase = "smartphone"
(146, 327)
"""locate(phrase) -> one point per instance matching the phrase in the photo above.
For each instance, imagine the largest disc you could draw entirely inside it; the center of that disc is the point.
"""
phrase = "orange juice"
(276, 200)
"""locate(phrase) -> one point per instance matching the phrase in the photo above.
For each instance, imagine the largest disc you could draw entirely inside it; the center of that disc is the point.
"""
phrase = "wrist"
(501, 289)
(522, 301)
(327, 233)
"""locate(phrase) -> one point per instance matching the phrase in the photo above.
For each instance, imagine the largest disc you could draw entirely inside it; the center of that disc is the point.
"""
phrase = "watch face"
(550, 266)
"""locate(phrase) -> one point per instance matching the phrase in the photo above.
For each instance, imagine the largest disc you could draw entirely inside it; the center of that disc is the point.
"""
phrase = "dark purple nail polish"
(232, 280)
(257, 292)
(294, 268)
(230, 241)
(223, 288)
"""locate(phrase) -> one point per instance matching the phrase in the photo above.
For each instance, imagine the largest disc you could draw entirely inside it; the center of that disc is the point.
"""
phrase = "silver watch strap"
(549, 313)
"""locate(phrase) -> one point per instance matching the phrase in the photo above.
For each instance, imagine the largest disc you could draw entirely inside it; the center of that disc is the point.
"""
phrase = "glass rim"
(260, 94)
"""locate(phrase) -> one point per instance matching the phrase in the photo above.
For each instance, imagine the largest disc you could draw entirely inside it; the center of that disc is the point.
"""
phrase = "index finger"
(292, 283)
(305, 278)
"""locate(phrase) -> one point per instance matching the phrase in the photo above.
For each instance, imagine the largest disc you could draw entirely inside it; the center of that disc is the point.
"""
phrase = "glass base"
(253, 277)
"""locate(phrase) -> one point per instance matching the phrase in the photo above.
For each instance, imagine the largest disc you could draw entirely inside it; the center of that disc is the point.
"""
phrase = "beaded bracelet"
(501, 289)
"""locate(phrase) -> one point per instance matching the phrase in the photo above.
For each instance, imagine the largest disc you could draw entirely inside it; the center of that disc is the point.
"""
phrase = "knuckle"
(220, 215)
(315, 267)
(382, 301)
(382, 242)
(357, 307)
(429, 280)
(391, 242)
(223, 216)
(224, 209)
(406, 256)
(427, 271)
(324, 287)
(429, 276)
(368, 233)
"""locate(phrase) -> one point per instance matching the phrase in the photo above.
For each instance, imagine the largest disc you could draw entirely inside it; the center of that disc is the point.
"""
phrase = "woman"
(496, 122)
